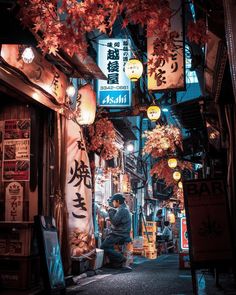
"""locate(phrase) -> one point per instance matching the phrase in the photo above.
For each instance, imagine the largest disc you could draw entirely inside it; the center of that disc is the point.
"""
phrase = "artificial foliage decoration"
(162, 171)
(103, 139)
(197, 32)
(162, 139)
(104, 174)
(64, 24)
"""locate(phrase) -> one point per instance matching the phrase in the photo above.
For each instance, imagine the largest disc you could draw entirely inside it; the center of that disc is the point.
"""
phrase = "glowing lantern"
(172, 163)
(70, 90)
(28, 55)
(180, 184)
(86, 105)
(130, 148)
(126, 183)
(153, 113)
(133, 69)
(176, 175)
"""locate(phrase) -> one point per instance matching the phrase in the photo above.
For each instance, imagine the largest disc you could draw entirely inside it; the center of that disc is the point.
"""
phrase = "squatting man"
(120, 219)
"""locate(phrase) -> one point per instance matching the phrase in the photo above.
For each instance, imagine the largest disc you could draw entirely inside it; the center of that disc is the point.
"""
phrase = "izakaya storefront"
(44, 167)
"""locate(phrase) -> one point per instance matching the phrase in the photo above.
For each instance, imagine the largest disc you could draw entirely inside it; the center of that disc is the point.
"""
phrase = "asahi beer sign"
(112, 57)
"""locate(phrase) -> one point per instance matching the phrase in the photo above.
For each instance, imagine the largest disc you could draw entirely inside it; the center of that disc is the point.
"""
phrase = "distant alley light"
(134, 69)
(28, 55)
(130, 148)
(165, 110)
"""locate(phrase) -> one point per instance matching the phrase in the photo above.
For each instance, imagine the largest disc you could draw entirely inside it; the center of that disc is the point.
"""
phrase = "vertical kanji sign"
(78, 192)
(112, 57)
(170, 74)
(184, 234)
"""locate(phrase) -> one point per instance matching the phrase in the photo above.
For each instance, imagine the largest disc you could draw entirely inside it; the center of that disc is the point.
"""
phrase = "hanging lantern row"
(133, 69)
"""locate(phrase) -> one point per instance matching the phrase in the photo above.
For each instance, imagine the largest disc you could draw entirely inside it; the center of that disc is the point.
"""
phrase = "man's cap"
(117, 197)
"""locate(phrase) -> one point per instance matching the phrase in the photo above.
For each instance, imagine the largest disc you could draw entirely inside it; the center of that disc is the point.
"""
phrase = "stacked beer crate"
(149, 243)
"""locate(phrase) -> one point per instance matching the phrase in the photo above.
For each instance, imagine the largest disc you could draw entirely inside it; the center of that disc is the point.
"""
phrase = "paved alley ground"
(160, 276)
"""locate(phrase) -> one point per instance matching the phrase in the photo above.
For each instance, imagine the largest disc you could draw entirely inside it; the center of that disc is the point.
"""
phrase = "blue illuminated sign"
(115, 92)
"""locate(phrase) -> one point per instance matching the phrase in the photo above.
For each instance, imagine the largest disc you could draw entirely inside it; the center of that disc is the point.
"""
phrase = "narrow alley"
(161, 276)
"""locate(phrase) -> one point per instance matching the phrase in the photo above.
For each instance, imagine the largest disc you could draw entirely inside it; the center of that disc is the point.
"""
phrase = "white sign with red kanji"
(14, 202)
(78, 192)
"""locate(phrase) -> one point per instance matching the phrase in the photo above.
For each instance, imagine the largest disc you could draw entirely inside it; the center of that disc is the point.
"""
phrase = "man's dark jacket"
(121, 221)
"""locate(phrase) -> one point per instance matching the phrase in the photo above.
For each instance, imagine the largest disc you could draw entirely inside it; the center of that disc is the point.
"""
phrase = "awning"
(188, 114)
(123, 127)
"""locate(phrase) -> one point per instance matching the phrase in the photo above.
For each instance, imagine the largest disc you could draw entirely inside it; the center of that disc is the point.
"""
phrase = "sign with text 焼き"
(115, 92)
(207, 220)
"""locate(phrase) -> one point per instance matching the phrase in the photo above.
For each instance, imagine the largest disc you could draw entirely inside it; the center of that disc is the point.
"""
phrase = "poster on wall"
(78, 192)
(169, 74)
(14, 201)
(112, 57)
(16, 150)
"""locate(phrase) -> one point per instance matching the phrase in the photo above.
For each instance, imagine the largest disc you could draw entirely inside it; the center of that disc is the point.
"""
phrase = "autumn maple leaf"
(102, 28)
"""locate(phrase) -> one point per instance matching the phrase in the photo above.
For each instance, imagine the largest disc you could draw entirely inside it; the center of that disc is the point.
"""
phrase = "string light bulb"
(28, 55)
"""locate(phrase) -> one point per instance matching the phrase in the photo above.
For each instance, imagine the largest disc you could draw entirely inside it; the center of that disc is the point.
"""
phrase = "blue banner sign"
(115, 92)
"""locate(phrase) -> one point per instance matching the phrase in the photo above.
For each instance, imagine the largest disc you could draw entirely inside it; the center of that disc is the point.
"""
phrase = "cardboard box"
(138, 242)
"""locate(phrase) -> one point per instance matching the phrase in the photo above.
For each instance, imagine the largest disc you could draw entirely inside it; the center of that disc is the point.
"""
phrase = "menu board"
(53, 273)
(16, 150)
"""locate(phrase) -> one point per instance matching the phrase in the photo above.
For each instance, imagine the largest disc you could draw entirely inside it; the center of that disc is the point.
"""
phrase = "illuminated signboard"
(112, 57)
(169, 74)
(184, 234)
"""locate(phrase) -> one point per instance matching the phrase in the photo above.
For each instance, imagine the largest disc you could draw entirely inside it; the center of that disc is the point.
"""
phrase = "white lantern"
(86, 105)
(172, 163)
(176, 175)
(180, 185)
(28, 55)
(134, 69)
(153, 113)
